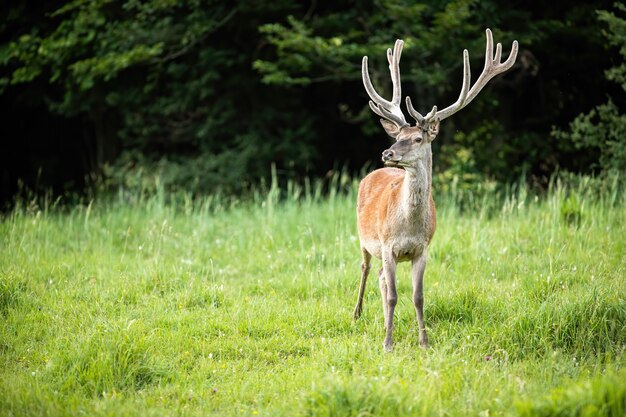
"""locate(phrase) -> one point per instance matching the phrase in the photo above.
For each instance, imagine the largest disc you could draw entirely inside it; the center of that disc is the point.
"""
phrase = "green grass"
(164, 306)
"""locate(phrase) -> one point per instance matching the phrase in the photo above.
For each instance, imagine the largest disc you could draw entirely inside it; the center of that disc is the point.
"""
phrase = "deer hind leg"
(419, 266)
(365, 270)
(390, 297)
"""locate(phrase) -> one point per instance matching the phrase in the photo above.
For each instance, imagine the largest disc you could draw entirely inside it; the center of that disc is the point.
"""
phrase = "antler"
(493, 67)
(389, 110)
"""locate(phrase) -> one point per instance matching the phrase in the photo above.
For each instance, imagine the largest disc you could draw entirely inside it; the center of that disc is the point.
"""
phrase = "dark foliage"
(208, 94)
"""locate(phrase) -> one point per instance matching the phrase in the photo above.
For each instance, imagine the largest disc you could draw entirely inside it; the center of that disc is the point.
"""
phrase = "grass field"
(162, 306)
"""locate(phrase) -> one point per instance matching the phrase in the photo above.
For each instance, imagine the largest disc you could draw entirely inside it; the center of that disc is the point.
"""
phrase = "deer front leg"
(365, 269)
(383, 292)
(390, 297)
(419, 265)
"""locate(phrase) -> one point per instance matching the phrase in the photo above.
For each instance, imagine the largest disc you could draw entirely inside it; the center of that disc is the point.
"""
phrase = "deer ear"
(433, 130)
(391, 128)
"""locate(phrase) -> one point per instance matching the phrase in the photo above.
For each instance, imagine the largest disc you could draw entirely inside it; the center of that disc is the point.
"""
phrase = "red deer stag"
(395, 209)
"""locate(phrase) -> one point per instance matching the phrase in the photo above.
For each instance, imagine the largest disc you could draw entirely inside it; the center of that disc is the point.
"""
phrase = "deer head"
(426, 127)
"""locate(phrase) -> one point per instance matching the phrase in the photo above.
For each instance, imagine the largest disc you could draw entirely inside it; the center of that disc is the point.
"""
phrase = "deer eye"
(418, 139)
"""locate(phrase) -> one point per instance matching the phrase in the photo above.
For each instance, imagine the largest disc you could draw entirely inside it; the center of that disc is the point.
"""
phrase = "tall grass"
(154, 303)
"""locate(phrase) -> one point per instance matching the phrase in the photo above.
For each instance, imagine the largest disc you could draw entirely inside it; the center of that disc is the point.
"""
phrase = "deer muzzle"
(388, 155)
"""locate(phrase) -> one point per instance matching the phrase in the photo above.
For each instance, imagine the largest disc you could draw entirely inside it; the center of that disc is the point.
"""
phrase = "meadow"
(152, 304)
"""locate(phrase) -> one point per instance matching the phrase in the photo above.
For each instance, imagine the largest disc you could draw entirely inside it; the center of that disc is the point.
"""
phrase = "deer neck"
(416, 187)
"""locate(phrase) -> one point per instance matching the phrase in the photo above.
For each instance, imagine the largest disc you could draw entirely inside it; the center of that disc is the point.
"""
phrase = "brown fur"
(378, 205)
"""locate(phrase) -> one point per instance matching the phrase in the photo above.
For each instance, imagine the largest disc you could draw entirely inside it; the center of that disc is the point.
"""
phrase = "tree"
(209, 94)
(603, 129)
(163, 86)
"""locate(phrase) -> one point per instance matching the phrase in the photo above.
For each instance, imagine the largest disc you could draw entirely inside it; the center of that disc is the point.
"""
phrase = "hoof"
(356, 314)
(387, 347)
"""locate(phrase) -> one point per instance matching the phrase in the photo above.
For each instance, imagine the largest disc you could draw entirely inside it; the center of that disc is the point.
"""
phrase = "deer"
(396, 215)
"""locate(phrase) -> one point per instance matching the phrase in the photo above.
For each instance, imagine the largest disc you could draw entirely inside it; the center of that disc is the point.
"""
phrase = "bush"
(604, 127)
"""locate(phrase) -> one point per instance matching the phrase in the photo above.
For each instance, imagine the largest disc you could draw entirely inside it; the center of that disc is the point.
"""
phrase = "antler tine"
(493, 67)
(368, 84)
(432, 113)
(417, 115)
(465, 88)
(414, 113)
(498, 52)
(389, 110)
(394, 70)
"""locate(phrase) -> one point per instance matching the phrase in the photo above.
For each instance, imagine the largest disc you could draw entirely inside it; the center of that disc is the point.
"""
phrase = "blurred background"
(213, 96)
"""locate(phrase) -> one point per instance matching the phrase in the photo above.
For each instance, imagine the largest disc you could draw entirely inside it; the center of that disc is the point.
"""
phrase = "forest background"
(207, 96)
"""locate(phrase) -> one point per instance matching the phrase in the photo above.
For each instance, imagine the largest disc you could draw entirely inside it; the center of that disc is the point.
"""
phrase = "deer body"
(396, 220)
(396, 214)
